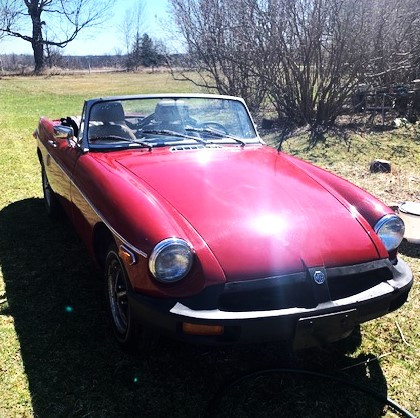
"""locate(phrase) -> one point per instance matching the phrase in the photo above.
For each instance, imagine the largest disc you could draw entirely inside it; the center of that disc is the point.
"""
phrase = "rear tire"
(117, 287)
(50, 199)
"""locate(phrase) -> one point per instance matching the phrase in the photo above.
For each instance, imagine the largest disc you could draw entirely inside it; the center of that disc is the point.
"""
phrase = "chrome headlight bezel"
(178, 272)
(390, 229)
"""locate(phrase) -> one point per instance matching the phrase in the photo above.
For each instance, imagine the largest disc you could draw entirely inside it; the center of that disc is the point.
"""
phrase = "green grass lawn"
(57, 356)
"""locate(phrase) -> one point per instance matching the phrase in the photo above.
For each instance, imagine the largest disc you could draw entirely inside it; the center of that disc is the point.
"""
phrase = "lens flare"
(269, 224)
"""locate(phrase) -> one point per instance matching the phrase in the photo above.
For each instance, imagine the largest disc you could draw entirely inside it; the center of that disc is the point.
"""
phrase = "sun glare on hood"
(205, 157)
(270, 225)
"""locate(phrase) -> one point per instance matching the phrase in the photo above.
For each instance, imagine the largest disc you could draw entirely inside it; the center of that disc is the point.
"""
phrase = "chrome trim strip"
(381, 289)
(114, 232)
(167, 96)
(99, 214)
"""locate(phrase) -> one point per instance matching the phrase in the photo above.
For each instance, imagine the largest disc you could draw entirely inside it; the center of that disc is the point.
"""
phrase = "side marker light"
(199, 329)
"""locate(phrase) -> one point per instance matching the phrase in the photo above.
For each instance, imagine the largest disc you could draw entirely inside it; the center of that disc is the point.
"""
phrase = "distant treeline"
(21, 63)
(15, 62)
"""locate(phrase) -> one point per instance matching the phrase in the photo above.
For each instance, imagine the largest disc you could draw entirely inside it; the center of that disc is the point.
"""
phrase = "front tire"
(117, 288)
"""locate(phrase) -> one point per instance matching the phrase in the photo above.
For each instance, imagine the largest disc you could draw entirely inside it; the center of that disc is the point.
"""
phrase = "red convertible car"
(209, 235)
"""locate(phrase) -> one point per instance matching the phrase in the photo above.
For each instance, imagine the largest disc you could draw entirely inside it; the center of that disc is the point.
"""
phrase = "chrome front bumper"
(303, 326)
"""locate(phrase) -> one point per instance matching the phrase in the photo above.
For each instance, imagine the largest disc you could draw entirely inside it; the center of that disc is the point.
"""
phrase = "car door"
(83, 212)
(62, 154)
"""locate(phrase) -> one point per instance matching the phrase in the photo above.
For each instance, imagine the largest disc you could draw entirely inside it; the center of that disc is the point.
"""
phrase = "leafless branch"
(65, 19)
(306, 57)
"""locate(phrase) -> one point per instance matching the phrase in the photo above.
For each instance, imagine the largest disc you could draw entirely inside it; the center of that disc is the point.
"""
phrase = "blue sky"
(107, 38)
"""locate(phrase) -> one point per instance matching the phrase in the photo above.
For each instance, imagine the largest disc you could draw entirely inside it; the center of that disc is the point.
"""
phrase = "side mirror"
(64, 132)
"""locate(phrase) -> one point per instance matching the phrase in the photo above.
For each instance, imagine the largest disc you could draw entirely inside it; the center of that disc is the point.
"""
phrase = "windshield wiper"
(173, 133)
(121, 138)
(217, 133)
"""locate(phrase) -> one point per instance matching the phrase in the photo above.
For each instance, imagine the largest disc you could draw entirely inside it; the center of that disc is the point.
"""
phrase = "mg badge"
(319, 277)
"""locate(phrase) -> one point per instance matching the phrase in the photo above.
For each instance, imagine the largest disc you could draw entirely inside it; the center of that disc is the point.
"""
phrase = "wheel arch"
(101, 239)
(39, 154)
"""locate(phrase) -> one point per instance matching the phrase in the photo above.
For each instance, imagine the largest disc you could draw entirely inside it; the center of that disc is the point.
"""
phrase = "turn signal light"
(126, 255)
(198, 329)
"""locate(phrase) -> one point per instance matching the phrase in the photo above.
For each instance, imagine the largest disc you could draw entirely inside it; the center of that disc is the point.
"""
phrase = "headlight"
(390, 230)
(171, 260)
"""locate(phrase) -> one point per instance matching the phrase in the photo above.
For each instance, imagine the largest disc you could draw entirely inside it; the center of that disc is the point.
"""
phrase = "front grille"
(299, 290)
(349, 285)
(278, 293)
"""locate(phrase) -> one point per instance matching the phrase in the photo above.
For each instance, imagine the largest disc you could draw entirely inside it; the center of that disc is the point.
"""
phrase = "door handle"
(52, 142)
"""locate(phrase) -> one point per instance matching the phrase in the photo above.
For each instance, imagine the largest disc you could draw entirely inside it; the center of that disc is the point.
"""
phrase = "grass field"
(57, 358)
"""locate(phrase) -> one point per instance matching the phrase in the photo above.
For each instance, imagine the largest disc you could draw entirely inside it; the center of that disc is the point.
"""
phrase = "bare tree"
(53, 56)
(133, 24)
(217, 35)
(141, 50)
(3, 19)
(305, 56)
(131, 29)
(315, 55)
(64, 20)
(395, 46)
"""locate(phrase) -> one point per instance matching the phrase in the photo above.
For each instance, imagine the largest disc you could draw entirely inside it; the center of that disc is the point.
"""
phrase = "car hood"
(259, 213)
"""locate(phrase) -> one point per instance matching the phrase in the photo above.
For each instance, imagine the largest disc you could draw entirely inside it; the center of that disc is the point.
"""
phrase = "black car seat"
(108, 119)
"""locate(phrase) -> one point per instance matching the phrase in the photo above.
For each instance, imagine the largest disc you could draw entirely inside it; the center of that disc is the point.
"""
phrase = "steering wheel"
(145, 121)
(214, 125)
(127, 132)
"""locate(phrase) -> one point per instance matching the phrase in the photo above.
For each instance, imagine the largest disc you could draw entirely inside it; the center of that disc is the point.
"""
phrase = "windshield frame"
(86, 147)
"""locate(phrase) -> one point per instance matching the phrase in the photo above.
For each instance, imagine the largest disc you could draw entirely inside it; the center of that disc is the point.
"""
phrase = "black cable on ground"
(376, 395)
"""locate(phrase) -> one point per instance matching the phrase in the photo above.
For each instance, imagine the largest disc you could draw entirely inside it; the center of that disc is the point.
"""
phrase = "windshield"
(167, 121)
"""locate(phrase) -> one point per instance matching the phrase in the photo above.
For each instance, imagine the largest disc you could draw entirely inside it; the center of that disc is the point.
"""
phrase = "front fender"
(137, 215)
(366, 208)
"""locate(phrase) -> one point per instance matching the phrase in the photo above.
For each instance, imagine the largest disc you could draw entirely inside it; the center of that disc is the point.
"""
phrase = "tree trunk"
(38, 48)
(37, 40)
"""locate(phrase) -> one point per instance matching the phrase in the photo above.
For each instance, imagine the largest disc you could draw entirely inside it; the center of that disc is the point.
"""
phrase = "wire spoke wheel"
(117, 288)
(117, 293)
